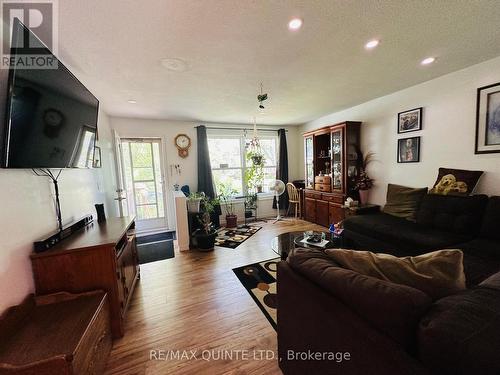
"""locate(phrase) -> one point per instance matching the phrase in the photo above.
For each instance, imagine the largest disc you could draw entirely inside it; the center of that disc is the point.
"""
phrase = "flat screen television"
(51, 117)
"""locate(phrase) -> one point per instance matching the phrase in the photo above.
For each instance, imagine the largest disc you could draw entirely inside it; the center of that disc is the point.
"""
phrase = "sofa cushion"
(409, 238)
(459, 215)
(459, 334)
(492, 282)
(393, 309)
(481, 259)
(491, 219)
(456, 182)
(403, 201)
(482, 248)
(477, 269)
(438, 274)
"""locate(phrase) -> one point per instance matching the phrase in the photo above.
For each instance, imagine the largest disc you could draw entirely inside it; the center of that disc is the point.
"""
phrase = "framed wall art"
(410, 121)
(488, 119)
(409, 150)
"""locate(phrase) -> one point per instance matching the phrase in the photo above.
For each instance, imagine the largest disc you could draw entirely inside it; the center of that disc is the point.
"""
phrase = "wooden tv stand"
(99, 256)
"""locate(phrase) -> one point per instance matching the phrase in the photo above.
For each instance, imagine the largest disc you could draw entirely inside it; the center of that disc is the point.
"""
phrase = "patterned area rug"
(234, 237)
(259, 279)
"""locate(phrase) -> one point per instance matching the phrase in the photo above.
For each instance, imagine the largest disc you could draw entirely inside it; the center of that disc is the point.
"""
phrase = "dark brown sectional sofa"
(387, 328)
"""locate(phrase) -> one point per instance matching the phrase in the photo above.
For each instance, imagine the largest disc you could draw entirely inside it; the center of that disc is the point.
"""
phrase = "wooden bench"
(59, 333)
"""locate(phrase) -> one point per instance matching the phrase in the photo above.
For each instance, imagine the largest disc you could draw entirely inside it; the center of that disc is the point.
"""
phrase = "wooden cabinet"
(99, 256)
(333, 161)
(127, 268)
(322, 217)
(60, 333)
(323, 208)
(336, 213)
(310, 209)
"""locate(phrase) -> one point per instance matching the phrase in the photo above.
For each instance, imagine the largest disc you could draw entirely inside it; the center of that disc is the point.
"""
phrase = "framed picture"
(409, 150)
(488, 119)
(97, 158)
(410, 121)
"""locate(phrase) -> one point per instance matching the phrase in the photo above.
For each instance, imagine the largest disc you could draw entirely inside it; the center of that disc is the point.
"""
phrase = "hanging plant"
(262, 97)
(254, 173)
(256, 157)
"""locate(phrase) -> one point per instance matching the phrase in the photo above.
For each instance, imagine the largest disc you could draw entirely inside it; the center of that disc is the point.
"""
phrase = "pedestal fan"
(278, 187)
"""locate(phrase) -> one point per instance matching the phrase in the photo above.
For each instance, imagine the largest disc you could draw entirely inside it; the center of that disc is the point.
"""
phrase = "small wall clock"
(183, 142)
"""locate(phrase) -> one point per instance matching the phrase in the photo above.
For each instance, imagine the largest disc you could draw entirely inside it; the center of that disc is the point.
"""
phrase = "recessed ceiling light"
(132, 101)
(372, 44)
(428, 60)
(295, 24)
(174, 64)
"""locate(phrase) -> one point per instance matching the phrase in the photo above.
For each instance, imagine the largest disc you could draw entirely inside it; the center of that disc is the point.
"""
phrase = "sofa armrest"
(392, 308)
(310, 320)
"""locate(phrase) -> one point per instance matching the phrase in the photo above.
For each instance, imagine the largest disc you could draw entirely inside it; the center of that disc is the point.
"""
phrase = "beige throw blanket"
(438, 274)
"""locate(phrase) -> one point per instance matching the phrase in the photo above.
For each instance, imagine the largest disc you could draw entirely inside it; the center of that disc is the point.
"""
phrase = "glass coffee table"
(285, 243)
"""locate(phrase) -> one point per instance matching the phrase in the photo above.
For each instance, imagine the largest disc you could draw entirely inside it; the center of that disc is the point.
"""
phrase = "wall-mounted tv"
(51, 117)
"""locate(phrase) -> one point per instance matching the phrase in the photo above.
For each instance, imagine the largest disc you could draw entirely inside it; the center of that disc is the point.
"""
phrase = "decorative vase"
(259, 189)
(363, 196)
(194, 205)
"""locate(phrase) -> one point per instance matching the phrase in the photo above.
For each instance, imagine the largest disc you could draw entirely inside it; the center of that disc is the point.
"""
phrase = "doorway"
(143, 182)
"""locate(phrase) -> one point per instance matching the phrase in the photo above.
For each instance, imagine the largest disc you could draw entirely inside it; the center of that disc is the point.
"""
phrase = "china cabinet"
(332, 163)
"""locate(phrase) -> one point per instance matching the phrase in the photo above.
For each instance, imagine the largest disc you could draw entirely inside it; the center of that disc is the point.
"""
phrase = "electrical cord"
(41, 172)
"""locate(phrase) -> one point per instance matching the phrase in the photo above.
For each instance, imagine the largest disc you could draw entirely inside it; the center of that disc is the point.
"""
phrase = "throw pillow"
(438, 274)
(403, 201)
(456, 182)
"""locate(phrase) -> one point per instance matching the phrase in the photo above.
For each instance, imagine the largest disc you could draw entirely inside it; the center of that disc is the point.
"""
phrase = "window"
(228, 160)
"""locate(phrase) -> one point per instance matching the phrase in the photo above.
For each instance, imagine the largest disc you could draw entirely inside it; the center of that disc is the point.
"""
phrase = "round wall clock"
(183, 142)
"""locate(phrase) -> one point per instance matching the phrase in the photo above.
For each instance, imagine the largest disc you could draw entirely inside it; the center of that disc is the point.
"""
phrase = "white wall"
(28, 213)
(448, 133)
(167, 130)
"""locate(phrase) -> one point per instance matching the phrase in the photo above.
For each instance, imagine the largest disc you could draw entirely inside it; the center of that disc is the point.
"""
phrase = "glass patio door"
(143, 180)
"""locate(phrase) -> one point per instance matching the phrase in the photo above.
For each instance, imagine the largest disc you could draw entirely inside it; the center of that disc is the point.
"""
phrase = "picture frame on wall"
(488, 119)
(409, 150)
(410, 121)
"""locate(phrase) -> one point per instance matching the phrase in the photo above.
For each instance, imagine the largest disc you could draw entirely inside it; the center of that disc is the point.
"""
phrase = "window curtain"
(205, 178)
(282, 169)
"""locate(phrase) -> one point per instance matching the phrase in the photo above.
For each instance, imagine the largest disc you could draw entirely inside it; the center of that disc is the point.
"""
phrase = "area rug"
(234, 237)
(156, 237)
(155, 247)
(259, 279)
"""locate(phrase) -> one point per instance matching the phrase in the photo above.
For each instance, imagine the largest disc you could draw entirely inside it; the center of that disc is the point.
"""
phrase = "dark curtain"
(282, 168)
(205, 179)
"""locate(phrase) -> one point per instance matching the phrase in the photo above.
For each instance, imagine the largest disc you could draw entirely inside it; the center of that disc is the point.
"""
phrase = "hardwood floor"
(195, 302)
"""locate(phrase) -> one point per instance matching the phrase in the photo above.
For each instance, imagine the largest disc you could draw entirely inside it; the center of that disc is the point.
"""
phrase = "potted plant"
(250, 204)
(226, 195)
(193, 202)
(256, 157)
(254, 174)
(206, 235)
(364, 183)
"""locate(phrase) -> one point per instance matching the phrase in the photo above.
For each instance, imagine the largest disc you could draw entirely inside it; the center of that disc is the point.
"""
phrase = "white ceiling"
(115, 48)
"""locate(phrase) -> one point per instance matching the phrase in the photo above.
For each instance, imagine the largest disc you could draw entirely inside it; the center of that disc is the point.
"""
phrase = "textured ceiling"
(115, 47)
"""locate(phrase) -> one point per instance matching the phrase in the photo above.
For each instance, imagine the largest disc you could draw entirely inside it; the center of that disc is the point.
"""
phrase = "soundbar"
(53, 239)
